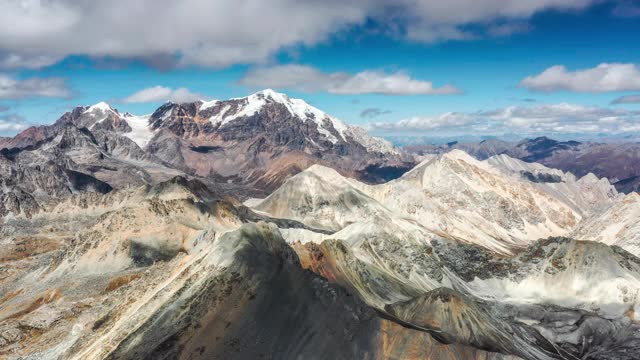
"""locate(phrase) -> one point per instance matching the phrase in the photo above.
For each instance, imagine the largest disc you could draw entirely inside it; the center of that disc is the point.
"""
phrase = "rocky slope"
(618, 224)
(169, 271)
(80, 152)
(538, 305)
(585, 194)
(264, 138)
(555, 299)
(501, 204)
(615, 160)
(174, 270)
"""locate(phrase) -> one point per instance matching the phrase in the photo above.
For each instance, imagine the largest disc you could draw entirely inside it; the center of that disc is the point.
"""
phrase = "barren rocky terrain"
(262, 228)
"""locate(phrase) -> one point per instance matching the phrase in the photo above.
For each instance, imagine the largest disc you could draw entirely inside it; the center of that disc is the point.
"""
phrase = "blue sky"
(485, 57)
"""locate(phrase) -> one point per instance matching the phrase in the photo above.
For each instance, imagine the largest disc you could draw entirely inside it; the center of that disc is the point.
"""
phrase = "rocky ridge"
(170, 271)
(616, 159)
(452, 195)
(556, 298)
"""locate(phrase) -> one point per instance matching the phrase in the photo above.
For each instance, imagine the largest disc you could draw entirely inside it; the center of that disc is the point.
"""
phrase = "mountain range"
(261, 227)
(618, 161)
(252, 144)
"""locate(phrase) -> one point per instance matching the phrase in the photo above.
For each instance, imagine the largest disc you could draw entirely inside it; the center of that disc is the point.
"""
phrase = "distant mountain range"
(617, 161)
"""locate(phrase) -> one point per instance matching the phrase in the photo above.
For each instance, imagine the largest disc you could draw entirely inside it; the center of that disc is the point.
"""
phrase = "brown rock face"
(263, 147)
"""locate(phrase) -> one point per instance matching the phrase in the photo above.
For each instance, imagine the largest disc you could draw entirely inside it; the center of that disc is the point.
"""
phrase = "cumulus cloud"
(162, 94)
(371, 113)
(540, 119)
(373, 82)
(602, 78)
(12, 123)
(26, 61)
(225, 32)
(201, 32)
(627, 99)
(306, 78)
(450, 120)
(434, 21)
(567, 118)
(12, 88)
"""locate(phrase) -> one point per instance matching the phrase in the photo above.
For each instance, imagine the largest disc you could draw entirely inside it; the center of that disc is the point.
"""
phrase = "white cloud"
(12, 88)
(12, 123)
(469, 11)
(225, 32)
(567, 118)
(602, 78)
(540, 119)
(201, 32)
(434, 20)
(306, 78)
(444, 121)
(427, 33)
(388, 84)
(627, 99)
(162, 94)
(25, 61)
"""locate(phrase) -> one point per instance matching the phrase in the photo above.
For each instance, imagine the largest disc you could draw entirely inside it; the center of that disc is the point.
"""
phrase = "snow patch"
(252, 104)
(101, 106)
(296, 107)
(141, 132)
(219, 118)
(207, 104)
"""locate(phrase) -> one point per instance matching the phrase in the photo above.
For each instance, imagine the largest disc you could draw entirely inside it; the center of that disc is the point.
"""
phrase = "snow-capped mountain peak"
(101, 106)
(99, 112)
(268, 104)
(293, 133)
(254, 103)
(276, 96)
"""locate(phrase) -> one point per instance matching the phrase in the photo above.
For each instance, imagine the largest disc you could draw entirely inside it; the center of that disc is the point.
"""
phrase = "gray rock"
(42, 318)
(11, 334)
